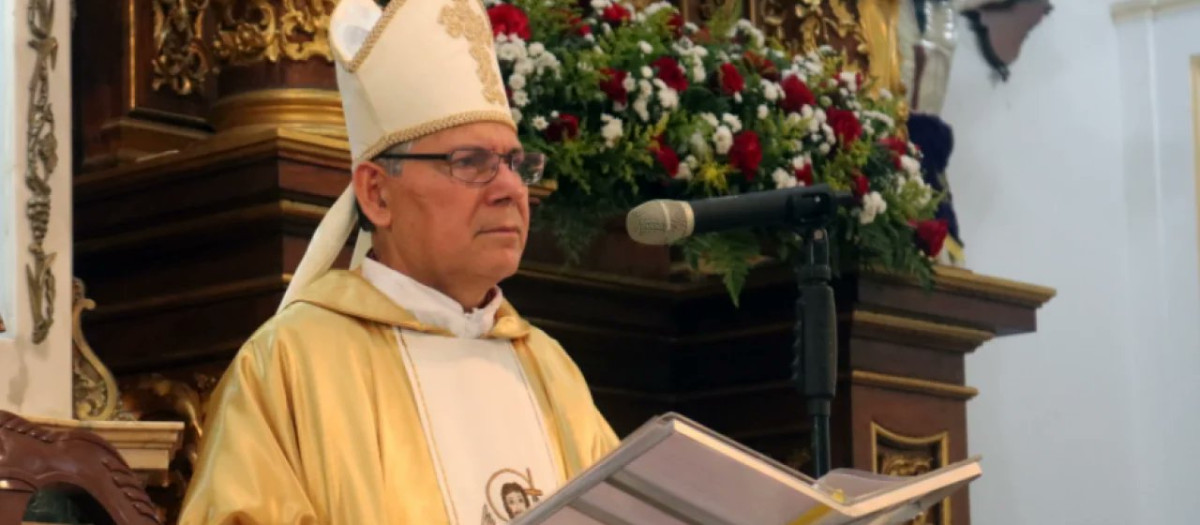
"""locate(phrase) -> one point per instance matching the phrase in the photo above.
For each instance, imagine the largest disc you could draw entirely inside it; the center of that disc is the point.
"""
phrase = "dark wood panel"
(906, 360)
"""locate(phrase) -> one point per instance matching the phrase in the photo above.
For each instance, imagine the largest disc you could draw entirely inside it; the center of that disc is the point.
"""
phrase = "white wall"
(1078, 174)
(35, 379)
(8, 205)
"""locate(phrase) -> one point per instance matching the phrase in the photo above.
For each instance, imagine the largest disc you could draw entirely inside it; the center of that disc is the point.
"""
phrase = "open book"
(673, 471)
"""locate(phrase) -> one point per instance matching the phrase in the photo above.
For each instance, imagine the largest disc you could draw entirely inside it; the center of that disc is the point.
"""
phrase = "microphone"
(664, 221)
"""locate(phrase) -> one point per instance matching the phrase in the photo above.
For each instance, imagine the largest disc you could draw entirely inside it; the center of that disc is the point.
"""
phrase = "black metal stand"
(815, 346)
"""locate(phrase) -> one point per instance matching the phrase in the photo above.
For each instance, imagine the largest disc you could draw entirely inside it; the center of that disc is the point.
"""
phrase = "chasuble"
(348, 408)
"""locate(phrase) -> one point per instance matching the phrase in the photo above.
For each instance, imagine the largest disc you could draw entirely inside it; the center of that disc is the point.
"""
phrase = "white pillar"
(35, 365)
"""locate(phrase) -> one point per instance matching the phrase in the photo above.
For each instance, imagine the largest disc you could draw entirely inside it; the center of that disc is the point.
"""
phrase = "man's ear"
(368, 180)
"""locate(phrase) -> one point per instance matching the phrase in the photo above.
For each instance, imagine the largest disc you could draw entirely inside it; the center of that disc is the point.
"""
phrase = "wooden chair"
(34, 458)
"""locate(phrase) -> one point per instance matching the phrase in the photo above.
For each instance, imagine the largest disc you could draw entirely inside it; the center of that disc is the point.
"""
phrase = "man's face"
(448, 231)
(514, 502)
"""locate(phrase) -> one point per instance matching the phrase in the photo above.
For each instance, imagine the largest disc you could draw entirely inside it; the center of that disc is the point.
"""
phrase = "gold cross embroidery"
(463, 22)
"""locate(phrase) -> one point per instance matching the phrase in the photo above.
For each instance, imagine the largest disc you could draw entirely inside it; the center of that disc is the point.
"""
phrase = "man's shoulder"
(304, 329)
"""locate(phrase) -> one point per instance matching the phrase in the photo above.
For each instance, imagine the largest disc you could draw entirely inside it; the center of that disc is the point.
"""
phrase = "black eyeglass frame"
(448, 158)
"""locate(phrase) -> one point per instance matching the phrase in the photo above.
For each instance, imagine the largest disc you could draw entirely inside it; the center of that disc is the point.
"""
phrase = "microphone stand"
(815, 332)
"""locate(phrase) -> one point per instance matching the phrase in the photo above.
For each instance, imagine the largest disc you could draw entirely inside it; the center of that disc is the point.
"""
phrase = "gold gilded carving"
(462, 21)
(709, 8)
(895, 454)
(180, 60)
(251, 31)
(41, 158)
(155, 397)
(95, 390)
(305, 29)
(826, 22)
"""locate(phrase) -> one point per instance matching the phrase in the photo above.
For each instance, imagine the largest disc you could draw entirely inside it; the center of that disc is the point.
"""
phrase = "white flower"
(645, 87)
(669, 98)
(516, 81)
(823, 148)
(807, 111)
(691, 161)
(516, 114)
(873, 204)
(772, 91)
(647, 72)
(850, 80)
(645, 47)
(698, 74)
(699, 146)
(502, 38)
(589, 37)
(723, 139)
(629, 84)
(734, 123)
(520, 98)
(539, 123)
(886, 94)
(536, 49)
(737, 97)
(691, 27)
(825, 101)
(553, 114)
(814, 126)
(612, 129)
(868, 129)
(910, 165)
(799, 162)
(548, 61)
(684, 173)
(585, 66)
(599, 5)
(723, 56)
(505, 51)
(793, 119)
(783, 179)
(763, 112)
(710, 119)
(523, 67)
(656, 7)
(820, 114)
(639, 106)
(882, 117)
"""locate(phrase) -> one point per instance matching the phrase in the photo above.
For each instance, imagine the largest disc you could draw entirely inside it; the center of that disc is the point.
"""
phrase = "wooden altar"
(196, 193)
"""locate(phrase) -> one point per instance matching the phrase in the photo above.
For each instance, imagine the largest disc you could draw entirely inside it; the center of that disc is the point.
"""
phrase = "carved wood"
(33, 458)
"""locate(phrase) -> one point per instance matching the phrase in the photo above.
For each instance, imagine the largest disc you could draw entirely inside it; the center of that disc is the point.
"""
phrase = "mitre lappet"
(407, 70)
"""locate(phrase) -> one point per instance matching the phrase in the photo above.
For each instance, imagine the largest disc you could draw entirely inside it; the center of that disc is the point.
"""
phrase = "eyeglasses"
(480, 166)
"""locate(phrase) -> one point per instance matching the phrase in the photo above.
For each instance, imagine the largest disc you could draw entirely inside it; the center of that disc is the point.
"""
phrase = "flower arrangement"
(632, 105)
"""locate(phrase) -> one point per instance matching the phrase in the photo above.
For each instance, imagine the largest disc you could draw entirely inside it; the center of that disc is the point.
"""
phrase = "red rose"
(676, 24)
(931, 235)
(805, 175)
(898, 146)
(564, 127)
(746, 153)
(845, 125)
(508, 19)
(578, 25)
(796, 94)
(666, 156)
(861, 186)
(731, 80)
(613, 85)
(670, 73)
(764, 66)
(616, 14)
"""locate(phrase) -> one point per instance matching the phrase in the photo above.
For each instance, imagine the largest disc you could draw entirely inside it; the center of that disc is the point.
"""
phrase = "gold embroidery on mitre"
(463, 22)
(374, 36)
(433, 126)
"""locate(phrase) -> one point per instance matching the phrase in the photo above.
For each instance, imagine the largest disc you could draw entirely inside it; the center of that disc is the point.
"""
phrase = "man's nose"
(507, 186)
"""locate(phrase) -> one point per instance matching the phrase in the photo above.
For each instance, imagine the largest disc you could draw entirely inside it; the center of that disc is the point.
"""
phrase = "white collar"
(430, 306)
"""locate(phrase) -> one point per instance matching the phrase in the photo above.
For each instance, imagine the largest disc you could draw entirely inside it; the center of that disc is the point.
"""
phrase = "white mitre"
(414, 68)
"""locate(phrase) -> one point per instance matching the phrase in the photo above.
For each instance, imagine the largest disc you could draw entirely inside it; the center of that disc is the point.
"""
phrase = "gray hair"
(393, 167)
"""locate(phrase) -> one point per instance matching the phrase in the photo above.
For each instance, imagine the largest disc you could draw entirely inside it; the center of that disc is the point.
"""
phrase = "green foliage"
(582, 61)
